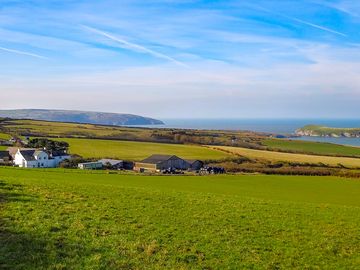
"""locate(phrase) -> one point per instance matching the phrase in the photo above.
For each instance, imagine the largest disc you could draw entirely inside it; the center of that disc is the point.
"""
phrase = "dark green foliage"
(48, 144)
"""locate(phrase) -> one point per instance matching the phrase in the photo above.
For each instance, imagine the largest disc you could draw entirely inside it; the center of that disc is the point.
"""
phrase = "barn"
(161, 162)
(195, 165)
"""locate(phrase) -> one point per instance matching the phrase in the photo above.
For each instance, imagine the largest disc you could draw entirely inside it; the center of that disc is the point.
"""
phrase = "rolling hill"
(100, 118)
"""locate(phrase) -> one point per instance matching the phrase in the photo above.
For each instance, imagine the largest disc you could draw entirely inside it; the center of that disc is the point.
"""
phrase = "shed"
(113, 163)
(4, 156)
(90, 166)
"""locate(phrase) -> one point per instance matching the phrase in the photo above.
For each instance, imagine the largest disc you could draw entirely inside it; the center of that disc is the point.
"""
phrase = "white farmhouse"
(32, 158)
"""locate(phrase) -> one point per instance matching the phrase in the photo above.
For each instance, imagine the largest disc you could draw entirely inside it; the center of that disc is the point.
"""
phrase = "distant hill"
(100, 118)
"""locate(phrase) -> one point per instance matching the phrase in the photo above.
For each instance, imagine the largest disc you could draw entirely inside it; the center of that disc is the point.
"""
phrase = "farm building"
(161, 162)
(117, 164)
(90, 166)
(33, 158)
(112, 163)
(195, 165)
(4, 156)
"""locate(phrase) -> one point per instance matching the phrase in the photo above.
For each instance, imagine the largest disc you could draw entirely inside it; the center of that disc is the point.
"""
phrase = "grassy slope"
(302, 158)
(313, 147)
(76, 220)
(138, 150)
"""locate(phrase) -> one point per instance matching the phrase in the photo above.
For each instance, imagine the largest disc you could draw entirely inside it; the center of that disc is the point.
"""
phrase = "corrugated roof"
(155, 159)
(112, 162)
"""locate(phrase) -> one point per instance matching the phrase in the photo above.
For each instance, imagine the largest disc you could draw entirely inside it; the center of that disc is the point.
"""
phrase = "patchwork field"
(76, 220)
(289, 157)
(89, 148)
(313, 147)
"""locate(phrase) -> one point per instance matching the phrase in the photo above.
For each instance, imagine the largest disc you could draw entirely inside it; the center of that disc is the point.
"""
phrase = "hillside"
(101, 118)
(322, 131)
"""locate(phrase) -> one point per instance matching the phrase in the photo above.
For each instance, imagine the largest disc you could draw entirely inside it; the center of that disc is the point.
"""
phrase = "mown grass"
(313, 147)
(290, 157)
(91, 148)
(73, 220)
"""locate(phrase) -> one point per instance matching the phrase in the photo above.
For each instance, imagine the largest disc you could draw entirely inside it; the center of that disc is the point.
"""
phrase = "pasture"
(91, 148)
(56, 219)
(289, 157)
(316, 148)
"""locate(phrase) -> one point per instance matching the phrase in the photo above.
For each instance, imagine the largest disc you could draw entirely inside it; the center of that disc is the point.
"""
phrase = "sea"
(277, 126)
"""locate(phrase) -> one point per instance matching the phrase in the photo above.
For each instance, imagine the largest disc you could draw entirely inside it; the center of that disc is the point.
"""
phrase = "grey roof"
(192, 161)
(28, 155)
(155, 159)
(58, 153)
(112, 162)
(4, 154)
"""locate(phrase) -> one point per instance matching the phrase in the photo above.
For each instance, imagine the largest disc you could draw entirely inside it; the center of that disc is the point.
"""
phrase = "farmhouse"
(90, 165)
(161, 162)
(34, 158)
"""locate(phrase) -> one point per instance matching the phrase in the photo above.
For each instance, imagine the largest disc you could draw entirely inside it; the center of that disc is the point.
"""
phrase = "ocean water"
(278, 126)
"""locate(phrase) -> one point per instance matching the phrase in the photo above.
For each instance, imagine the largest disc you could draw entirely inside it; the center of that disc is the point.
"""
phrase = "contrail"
(304, 22)
(316, 26)
(134, 47)
(22, 53)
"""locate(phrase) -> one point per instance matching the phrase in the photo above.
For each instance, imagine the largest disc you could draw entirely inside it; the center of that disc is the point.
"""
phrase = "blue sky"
(183, 59)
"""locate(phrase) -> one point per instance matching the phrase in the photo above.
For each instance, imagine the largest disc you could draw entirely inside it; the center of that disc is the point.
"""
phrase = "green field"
(313, 147)
(89, 148)
(59, 219)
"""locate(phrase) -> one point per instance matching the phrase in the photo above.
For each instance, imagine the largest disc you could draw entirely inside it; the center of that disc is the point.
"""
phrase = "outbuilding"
(161, 162)
(90, 166)
(195, 165)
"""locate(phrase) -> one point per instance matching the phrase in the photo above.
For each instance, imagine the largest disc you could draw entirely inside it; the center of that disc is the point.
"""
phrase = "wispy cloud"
(22, 53)
(317, 26)
(134, 47)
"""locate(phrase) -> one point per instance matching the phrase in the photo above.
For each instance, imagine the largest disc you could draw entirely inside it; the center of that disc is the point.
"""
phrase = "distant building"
(117, 164)
(161, 162)
(195, 165)
(90, 166)
(34, 158)
(4, 156)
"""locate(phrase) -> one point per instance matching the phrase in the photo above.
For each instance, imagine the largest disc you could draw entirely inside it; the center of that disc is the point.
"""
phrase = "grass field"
(313, 147)
(89, 148)
(75, 220)
(4, 136)
(289, 157)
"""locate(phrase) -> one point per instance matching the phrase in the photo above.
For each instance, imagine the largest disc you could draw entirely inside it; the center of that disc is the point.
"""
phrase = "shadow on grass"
(17, 249)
